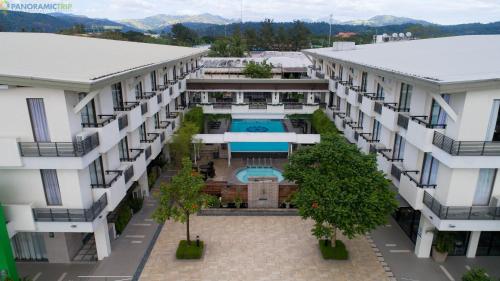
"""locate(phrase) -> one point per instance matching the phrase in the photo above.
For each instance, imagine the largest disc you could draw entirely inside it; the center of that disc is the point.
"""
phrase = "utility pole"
(330, 36)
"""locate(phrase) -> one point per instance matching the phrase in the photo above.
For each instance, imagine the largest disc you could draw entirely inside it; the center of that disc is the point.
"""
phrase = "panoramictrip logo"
(38, 7)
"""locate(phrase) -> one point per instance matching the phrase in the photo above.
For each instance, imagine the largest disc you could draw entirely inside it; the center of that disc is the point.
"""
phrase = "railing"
(222, 105)
(366, 137)
(373, 96)
(172, 115)
(134, 153)
(396, 172)
(345, 83)
(71, 215)
(257, 106)
(357, 89)
(122, 122)
(389, 155)
(378, 107)
(293, 105)
(403, 121)
(172, 82)
(466, 148)
(126, 106)
(149, 139)
(417, 182)
(145, 95)
(162, 125)
(144, 108)
(148, 152)
(108, 182)
(161, 87)
(460, 213)
(159, 98)
(320, 75)
(395, 107)
(422, 120)
(104, 120)
(129, 173)
(59, 149)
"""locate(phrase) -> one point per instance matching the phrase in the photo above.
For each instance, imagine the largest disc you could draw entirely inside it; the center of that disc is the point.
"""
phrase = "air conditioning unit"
(82, 136)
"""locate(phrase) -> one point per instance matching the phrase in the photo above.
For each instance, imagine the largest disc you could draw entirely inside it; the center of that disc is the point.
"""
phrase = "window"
(152, 76)
(88, 114)
(376, 130)
(429, 170)
(38, 119)
(165, 79)
(364, 77)
(116, 92)
(361, 118)
(438, 115)
(485, 182)
(138, 90)
(348, 110)
(51, 187)
(338, 102)
(405, 97)
(156, 119)
(96, 170)
(380, 91)
(350, 79)
(174, 72)
(399, 147)
(493, 132)
(341, 72)
(123, 148)
(142, 131)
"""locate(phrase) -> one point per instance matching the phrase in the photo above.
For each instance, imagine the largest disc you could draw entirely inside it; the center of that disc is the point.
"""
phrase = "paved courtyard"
(257, 248)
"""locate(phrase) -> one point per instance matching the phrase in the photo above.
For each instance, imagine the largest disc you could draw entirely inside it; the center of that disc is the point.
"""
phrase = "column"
(143, 184)
(309, 97)
(102, 243)
(228, 154)
(275, 97)
(424, 238)
(240, 98)
(473, 242)
(204, 97)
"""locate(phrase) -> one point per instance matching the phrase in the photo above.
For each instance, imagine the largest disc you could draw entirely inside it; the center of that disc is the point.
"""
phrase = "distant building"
(384, 38)
(346, 34)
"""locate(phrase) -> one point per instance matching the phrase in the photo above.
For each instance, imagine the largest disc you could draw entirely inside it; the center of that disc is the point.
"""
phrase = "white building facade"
(429, 111)
(81, 119)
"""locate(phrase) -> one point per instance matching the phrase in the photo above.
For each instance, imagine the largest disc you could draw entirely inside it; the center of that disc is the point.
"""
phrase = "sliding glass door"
(38, 118)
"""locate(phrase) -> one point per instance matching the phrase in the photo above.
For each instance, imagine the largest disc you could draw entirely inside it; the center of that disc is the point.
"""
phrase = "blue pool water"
(258, 172)
(258, 126)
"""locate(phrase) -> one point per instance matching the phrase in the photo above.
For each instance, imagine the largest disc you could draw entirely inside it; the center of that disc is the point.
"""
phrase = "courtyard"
(257, 248)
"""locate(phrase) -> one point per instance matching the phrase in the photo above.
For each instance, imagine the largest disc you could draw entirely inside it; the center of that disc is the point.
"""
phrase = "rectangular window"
(429, 170)
(377, 127)
(156, 119)
(380, 91)
(361, 118)
(123, 148)
(493, 132)
(405, 97)
(96, 170)
(348, 110)
(142, 131)
(88, 113)
(116, 93)
(174, 72)
(350, 79)
(165, 79)
(399, 147)
(438, 115)
(152, 76)
(484, 187)
(138, 90)
(341, 72)
(364, 79)
(51, 187)
(38, 118)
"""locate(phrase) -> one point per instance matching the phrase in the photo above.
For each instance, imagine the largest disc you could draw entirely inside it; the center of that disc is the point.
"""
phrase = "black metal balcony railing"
(460, 213)
(357, 89)
(150, 137)
(59, 149)
(222, 105)
(373, 96)
(148, 152)
(71, 215)
(466, 148)
(403, 121)
(345, 83)
(104, 119)
(159, 98)
(172, 82)
(162, 125)
(389, 155)
(396, 172)
(144, 108)
(367, 137)
(126, 106)
(129, 173)
(145, 95)
(134, 153)
(422, 120)
(161, 87)
(378, 107)
(111, 177)
(257, 105)
(320, 75)
(293, 105)
(416, 181)
(394, 106)
(122, 122)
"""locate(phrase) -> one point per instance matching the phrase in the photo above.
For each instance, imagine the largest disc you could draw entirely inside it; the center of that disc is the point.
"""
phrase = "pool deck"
(223, 172)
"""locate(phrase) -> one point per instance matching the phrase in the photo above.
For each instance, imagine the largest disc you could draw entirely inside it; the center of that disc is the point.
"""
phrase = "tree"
(182, 197)
(183, 34)
(282, 39)
(299, 36)
(233, 46)
(339, 188)
(251, 38)
(258, 70)
(267, 34)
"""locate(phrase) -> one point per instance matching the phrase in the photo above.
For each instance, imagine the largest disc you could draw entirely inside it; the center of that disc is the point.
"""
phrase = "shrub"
(330, 253)
(189, 252)
(123, 217)
(135, 204)
(212, 202)
(444, 242)
(258, 70)
(476, 274)
(152, 176)
(195, 116)
(321, 124)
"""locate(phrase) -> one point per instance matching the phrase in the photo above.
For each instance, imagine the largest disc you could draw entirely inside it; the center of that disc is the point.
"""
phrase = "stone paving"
(257, 248)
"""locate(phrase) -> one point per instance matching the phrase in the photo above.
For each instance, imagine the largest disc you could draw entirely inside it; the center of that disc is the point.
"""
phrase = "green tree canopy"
(299, 36)
(339, 188)
(267, 34)
(184, 34)
(258, 70)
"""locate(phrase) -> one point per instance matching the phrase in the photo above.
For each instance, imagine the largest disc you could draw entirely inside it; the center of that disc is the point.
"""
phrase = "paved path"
(257, 249)
(397, 250)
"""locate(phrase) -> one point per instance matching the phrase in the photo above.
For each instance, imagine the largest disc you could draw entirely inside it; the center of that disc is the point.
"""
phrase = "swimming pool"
(245, 173)
(258, 126)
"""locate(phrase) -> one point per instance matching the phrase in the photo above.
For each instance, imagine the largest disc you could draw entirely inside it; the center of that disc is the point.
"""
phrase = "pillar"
(143, 184)
(204, 97)
(275, 97)
(425, 236)
(473, 242)
(101, 235)
(309, 98)
(240, 98)
(228, 154)
(7, 263)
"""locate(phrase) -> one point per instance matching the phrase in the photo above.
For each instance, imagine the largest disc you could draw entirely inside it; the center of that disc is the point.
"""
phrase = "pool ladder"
(259, 162)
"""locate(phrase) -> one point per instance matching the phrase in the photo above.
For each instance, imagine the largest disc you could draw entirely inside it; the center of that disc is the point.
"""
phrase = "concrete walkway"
(397, 251)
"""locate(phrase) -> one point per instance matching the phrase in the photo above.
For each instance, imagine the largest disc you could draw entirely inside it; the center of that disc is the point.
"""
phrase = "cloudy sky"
(437, 11)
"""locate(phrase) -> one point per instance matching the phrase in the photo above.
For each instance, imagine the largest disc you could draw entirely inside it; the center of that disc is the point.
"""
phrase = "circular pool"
(245, 173)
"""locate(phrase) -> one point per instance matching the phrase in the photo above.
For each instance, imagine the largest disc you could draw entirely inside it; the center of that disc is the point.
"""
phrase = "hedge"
(321, 124)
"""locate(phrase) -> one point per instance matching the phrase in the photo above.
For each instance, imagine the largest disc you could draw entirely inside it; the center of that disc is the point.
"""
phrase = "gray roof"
(439, 60)
(52, 59)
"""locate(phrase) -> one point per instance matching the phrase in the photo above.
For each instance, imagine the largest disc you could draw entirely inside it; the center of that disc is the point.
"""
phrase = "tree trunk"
(188, 237)
(334, 235)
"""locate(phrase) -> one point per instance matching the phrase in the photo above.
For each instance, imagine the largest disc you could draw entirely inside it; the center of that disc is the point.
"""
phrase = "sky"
(436, 11)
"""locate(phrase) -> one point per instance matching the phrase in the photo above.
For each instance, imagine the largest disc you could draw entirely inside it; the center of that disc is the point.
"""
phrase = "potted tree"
(444, 244)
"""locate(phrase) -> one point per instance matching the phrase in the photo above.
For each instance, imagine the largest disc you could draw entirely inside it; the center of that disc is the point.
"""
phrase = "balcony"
(352, 97)
(460, 213)
(417, 131)
(159, 98)
(110, 177)
(126, 106)
(150, 138)
(396, 172)
(389, 155)
(162, 125)
(222, 105)
(403, 121)
(465, 148)
(367, 104)
(254, 105)
(412, 190)
(134, 153)
(409, 174)
(389, 115)
(377, 107)
(145, 95)
(293, 105)
(368, 137)
(71, 215)
(59, 149)
(104, 119)
(122, 122)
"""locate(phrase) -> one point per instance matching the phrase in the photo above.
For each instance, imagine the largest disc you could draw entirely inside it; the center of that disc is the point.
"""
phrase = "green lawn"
(330, 253)
(189, 252)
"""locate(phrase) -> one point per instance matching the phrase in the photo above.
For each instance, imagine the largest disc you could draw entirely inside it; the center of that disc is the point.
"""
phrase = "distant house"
(346, 34)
